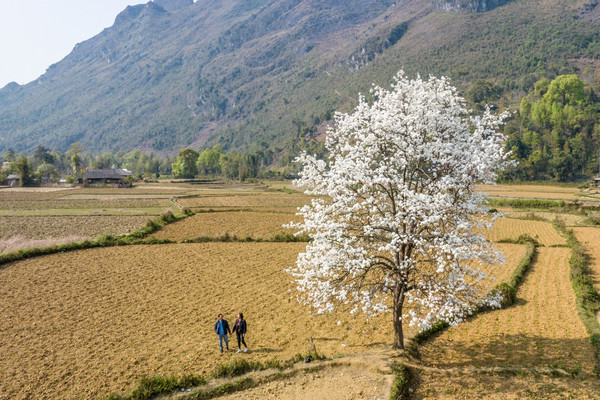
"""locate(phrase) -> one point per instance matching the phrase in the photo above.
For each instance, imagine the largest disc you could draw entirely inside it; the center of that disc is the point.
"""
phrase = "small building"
(596, 182)
(104, 177)
(13, 180)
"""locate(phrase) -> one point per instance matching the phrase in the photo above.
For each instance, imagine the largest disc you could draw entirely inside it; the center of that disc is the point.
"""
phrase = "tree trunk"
(398, 303)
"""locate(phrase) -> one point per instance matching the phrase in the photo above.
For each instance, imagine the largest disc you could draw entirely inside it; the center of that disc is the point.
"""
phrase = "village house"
(13, 180)
(104, 177)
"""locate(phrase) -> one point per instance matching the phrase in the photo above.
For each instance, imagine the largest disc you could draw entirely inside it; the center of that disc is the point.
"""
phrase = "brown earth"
(85, 323)
(542, 329)
(57, 227)
(531, 192)
(512, 228)
(502, 385)
(257, 225)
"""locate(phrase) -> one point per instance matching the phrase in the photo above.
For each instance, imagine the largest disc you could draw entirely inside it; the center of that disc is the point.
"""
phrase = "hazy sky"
(37, 33)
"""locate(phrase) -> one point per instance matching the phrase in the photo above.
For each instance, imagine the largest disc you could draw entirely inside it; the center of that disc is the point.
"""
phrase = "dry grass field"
(257, 225)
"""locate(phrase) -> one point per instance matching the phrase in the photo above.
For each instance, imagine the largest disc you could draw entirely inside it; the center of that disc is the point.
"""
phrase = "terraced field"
(543, 329)
(256, 225)
(82, 324)
(544, 192)
(85, 323)
(512, 228)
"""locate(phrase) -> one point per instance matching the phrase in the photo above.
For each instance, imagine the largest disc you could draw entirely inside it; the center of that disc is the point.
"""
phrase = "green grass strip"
(587, 297)
(528, 203)
(400, 385)
(282, 237)
(150, 387)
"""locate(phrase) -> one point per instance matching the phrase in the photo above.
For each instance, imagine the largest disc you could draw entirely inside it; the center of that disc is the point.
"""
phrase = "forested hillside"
(263, 75)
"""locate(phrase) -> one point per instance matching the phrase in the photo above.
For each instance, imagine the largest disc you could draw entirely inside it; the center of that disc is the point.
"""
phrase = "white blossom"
(398, 222)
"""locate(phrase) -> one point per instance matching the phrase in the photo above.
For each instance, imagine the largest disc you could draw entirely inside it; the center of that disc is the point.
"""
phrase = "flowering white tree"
(400, 226)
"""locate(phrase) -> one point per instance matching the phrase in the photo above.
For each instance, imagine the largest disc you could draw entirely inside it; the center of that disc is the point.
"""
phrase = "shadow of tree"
(509, 351)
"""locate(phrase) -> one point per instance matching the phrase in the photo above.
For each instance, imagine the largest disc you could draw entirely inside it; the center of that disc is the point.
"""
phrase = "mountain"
(253, 74)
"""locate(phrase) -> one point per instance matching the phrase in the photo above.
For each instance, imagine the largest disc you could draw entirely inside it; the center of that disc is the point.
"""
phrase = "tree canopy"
(399, 227)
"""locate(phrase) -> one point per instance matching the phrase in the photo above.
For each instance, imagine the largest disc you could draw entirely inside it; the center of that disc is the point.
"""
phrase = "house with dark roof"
(104, 177)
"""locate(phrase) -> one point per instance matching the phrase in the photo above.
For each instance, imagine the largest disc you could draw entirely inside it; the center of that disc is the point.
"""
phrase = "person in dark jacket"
(222, 329)
(240, 331)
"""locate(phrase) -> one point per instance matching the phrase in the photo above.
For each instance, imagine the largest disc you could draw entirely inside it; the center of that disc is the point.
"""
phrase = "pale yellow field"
(531, 192)
(82, 324)
(257, 225)
(513, 254)
(543, 329)
(569, 219)
(512, 228)
(261, 200)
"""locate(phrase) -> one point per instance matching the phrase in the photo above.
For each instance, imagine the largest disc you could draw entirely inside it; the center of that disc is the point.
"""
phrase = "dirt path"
(362, 376)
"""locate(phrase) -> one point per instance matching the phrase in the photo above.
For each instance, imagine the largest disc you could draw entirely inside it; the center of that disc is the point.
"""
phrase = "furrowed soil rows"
(265, 200)
(258, 225)
(512, 228)
(513, 254)
(39, 227)
(543, 329)
(570, 219)
(530, 192)
(517, 385)
(85, 323)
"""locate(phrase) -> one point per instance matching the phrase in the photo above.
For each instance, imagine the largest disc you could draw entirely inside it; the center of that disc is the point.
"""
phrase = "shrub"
(150, 387)
(402, 377)
(237, 367)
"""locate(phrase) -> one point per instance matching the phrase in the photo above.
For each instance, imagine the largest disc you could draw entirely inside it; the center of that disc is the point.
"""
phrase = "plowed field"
(531, 192)
(82, 324)
(512, 228)
(542, 329)
(40, 227)
(453, 385)
(265, 200)
(258, 225)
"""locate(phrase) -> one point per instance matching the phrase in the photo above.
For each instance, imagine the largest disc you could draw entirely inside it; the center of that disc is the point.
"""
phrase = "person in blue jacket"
(222, 329)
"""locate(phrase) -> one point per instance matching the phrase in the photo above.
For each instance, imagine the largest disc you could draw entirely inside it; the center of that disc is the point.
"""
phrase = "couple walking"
(222, 329)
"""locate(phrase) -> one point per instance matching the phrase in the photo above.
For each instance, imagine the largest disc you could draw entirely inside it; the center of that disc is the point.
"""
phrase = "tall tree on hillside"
(400, 225)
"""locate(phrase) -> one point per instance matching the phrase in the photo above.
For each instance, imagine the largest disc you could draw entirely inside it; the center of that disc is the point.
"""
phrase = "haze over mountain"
(257, 73)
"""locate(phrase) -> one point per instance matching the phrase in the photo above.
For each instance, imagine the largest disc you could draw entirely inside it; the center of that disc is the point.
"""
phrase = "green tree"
(46, 173)
(208, 160)
(23, 169)
(185, 166)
